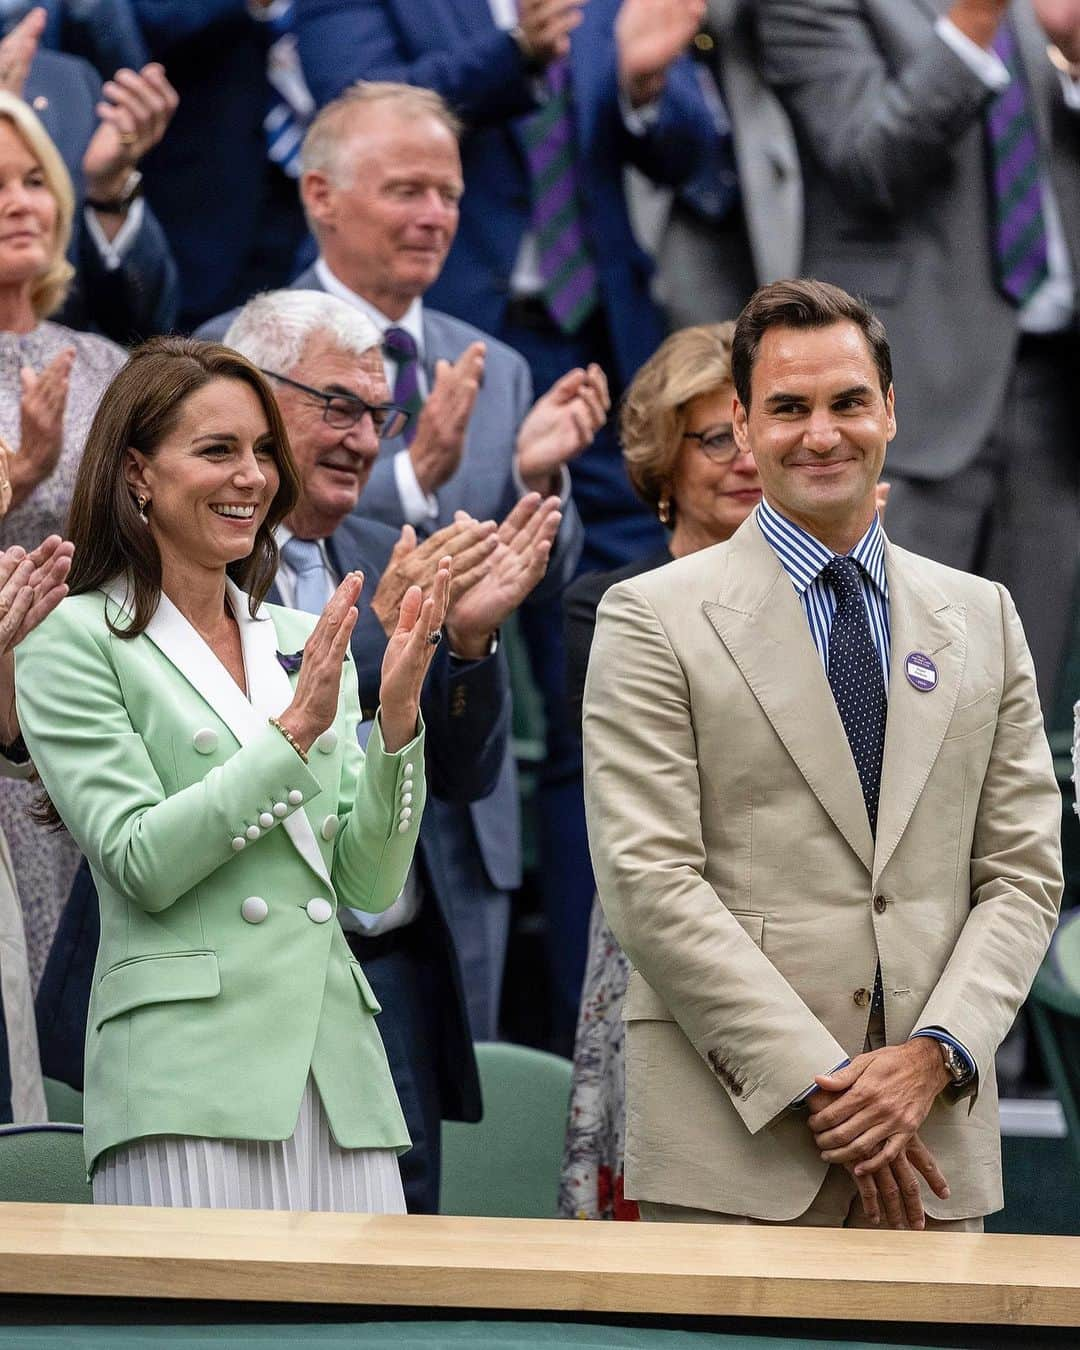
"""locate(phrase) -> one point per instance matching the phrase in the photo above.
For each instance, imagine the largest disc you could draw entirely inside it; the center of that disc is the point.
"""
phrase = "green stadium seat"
(1055, 1013)
(64, 1103)
(507, 1166)
(43, 1164)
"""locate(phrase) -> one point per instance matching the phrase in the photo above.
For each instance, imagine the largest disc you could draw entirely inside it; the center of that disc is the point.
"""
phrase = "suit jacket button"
(861, 997)
(326, 744)
(736, 1089)
(329, 827)
(238, 843)
(205, 740)
(319, 910)
(253, 832)
(880, 904)
(266, 820)
(280, 810)
(295, 797)
(254, 909)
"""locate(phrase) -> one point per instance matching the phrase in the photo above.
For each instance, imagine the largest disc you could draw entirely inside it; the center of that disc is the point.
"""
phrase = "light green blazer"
(220, 860)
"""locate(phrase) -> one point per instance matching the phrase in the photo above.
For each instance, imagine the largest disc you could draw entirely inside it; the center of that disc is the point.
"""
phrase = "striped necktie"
(400, 346)
(291, 105)
(1019, 226)
(571, 288)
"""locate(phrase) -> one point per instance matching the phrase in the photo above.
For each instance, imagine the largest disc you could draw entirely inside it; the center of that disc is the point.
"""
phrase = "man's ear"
(135, 471)
(739, 428)
(317, 195)
(890, 411)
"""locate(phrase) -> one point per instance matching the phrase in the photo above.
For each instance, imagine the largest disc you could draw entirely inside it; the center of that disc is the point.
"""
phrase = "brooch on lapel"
(290, 662)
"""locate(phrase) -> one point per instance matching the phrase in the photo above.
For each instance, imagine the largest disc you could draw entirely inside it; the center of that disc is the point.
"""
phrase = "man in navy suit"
(328, 374)
(126, 281)
(630, 99)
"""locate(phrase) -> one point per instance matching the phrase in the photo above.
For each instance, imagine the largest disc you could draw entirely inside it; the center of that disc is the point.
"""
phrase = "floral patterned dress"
(45, 862)
(591, 1185)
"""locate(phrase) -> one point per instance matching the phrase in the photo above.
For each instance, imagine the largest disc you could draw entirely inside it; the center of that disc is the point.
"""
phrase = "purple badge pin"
(921, 672)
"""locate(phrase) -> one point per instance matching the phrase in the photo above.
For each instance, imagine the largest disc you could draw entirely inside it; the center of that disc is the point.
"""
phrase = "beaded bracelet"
(289, 737)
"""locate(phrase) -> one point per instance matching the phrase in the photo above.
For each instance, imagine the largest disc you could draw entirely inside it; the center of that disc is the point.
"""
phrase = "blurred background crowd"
(551, 211)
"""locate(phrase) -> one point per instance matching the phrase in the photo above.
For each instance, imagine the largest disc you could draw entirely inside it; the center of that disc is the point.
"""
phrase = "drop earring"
(663, 508)
(142, 504)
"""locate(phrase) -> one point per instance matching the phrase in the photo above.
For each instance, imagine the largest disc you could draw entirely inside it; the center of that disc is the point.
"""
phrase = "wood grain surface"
(549, 1265)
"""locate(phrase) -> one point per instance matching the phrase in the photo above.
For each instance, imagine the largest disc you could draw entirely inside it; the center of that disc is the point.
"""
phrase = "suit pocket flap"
(371, 1003)
(155, 979)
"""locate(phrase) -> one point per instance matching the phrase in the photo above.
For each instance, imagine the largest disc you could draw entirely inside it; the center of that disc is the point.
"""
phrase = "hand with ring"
(408, 656)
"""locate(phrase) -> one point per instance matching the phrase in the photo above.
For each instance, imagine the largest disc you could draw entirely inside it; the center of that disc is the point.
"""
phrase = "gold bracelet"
(289, 737)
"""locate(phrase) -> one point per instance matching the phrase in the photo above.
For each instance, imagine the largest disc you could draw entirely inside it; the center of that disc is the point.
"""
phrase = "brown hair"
(49, 290)
(687, 365)
(803, 304)
(138, 410)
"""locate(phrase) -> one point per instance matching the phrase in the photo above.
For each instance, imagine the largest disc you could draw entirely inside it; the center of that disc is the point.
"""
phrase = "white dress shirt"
(1051, 307)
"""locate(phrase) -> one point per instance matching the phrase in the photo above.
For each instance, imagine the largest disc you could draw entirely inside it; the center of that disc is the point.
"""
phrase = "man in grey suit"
(939, 155)
(381, 183)
(737, 224)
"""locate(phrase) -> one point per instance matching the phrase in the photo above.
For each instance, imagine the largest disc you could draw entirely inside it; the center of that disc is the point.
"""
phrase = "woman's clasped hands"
(405, 663)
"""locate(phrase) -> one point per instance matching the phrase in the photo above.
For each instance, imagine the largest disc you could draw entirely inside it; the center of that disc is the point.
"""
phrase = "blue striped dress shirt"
(804, 558)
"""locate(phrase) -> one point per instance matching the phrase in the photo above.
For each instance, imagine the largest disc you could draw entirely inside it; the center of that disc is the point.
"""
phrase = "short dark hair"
(803, 304)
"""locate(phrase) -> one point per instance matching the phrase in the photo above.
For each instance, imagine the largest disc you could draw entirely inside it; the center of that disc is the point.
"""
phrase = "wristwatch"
(958, 1070)
(116, 206)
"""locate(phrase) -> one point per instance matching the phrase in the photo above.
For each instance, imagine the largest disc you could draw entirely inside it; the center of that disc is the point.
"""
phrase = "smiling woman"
(185, 759)
(50, 381)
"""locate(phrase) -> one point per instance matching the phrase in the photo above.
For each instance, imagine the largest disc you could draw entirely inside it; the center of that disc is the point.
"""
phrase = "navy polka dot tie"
(856, 679)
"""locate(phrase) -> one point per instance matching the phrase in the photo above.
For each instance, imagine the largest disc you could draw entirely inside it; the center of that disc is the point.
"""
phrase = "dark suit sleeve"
(482, 77)
(579, 622)
(466, 707)
(676, 144)
(879, 132)
(138, 298)
(165, 23)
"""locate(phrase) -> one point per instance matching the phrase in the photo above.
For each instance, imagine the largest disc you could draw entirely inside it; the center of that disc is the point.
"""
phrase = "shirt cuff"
(637, 121)
(420, 507)
(113, 250)
(939, 1034)
(801, 1098)
(522, 487)
(988, 66)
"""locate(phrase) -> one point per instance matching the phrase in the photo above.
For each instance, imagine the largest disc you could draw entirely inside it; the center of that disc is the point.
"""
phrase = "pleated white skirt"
(307, 1171)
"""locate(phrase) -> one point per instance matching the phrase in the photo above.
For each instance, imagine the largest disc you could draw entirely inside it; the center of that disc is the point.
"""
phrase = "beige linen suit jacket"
(735, 864)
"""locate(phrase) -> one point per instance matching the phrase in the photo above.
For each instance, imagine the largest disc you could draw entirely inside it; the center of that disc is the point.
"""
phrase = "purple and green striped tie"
(1019, 226)
(571, 289)
(400, 347)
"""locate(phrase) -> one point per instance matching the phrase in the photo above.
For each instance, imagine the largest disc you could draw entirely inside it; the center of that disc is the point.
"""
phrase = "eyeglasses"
(718, 445)
(342, 411)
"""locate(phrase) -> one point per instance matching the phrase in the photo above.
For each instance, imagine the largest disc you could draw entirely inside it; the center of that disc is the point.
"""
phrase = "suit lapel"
(271, 692)
(923, 620)
(761, 622)
(268, 684)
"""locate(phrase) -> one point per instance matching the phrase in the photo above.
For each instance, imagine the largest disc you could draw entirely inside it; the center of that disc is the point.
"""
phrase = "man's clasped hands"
(866, 1117)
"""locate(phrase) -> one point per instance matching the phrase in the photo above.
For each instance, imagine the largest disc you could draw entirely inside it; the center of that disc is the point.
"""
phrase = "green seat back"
(43, 1164)
(64, 1103)
(507, 1166)
(1055, 1013)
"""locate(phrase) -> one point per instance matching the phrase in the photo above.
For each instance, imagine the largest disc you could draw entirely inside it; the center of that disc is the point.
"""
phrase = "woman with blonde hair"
(51, 379)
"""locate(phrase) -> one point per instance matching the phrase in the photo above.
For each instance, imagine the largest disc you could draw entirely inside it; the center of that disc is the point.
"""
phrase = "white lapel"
(271, 693)
(268, 683)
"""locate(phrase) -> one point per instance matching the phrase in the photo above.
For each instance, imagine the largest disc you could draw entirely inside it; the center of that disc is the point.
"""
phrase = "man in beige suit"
(824, 824)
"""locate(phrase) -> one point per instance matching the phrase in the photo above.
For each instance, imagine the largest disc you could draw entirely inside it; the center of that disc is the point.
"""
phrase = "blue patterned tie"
(305, 558)
(856, 680)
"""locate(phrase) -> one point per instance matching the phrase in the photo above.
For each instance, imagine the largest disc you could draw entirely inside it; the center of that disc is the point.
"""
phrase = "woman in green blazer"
(201, 748)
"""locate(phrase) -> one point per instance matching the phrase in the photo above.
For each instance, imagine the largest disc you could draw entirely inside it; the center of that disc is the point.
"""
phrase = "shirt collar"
(412, 320)
(803, 557)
